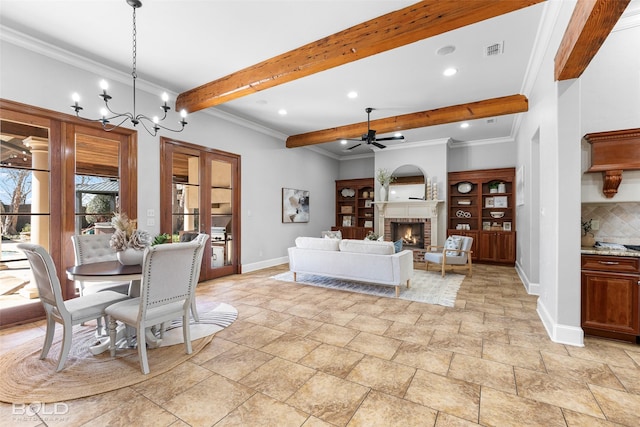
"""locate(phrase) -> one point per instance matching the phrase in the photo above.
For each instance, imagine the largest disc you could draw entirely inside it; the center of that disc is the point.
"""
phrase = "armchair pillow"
(453, 243)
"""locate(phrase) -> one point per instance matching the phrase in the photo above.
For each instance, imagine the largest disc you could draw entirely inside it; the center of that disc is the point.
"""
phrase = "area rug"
(26, 378)
(426, 286)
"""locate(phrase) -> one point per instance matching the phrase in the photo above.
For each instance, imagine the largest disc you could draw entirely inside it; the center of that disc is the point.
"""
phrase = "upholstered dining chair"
(455, 252)
(202, 240)
(68, 313)
(89, 248)
(169, 274)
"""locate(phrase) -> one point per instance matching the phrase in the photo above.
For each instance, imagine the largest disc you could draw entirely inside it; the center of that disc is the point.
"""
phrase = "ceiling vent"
(492, 121)
(494, 49)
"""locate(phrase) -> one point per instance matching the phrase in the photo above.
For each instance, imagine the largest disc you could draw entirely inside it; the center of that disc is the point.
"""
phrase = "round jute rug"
(26, 378)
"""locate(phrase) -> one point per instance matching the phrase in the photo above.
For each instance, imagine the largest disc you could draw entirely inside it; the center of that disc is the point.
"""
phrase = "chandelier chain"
(134, 73)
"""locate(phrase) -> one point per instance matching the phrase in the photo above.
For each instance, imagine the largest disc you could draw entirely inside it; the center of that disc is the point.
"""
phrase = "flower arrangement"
(385, 177)
(126, 235)
(372, 236)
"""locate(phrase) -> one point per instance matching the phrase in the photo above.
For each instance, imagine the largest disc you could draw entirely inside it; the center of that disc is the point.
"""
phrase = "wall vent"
(494, 49)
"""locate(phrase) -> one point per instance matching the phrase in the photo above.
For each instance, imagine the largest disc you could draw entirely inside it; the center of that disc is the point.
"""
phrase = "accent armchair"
(455, 252)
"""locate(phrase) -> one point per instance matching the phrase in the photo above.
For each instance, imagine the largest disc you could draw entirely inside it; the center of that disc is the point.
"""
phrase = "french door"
(200, 192)
(54, 169)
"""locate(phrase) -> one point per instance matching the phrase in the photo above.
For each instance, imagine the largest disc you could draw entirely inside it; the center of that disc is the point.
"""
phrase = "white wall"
(358, 167)
(266, 164)
(488, 154)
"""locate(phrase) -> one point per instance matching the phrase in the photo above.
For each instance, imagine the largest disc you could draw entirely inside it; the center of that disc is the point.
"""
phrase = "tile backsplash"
(619, 222)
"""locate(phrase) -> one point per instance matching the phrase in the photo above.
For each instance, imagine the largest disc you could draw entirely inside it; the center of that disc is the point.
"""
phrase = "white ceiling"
(183, 44)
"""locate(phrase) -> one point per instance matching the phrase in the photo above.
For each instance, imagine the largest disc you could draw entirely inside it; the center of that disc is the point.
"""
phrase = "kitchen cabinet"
(610, 298)
(481, 204)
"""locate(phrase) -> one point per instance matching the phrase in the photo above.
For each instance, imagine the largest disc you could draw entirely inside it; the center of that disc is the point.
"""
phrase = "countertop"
(610, 252)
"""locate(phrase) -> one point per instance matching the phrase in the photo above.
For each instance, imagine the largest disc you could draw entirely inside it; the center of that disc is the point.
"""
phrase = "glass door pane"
(221, 213)
(97, 183)
(25, 178)
(185, 200)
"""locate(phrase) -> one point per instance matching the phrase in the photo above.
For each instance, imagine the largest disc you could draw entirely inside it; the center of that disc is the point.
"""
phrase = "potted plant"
(128, 241)
(588, 239)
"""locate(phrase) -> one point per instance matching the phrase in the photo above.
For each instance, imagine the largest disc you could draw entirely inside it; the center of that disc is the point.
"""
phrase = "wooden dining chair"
(68, 313)
(169, 275)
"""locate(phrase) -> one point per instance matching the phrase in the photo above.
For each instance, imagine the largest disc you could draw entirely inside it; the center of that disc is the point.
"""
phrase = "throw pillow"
(453, 243)
(398, 245)
(332, 234)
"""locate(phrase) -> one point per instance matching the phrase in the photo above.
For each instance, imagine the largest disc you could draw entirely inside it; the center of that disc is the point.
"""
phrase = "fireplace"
(411, 234)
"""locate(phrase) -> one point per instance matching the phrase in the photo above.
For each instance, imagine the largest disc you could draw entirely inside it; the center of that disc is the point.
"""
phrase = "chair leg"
(48, 339)
(142, 349)
(194, 310)
(443, 264)
(426, 265)
(112, 336)
(67, 335)
(186, 332)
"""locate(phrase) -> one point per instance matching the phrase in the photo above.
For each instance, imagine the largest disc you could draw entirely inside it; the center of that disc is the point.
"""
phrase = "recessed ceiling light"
(352, 95)
(343, 141)
(464, 125)
(446, 50)
(450, 71)
(397, 134)
(282, 112)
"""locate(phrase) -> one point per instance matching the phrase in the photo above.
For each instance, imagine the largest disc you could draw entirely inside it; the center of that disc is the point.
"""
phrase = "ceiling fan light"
(343, 141)
(397, 134)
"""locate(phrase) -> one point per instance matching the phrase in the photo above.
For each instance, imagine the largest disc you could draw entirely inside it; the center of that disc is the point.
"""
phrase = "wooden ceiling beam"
(470, 111)
(589, 26)
(404, 26)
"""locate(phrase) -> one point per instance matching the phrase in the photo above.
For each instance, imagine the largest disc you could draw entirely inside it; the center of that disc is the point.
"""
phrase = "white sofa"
(360, 260)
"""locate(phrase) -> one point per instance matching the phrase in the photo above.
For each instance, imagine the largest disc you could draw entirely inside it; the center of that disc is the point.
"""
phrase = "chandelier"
(151, 125)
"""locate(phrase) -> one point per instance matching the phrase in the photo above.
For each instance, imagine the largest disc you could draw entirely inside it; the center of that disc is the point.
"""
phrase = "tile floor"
(304, 356)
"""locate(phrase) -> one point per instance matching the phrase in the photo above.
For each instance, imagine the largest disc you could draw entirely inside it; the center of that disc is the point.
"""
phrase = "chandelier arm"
(144, 119)
(108, 127)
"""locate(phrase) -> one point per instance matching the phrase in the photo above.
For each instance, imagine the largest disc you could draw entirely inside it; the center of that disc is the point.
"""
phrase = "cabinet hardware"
(608, 262)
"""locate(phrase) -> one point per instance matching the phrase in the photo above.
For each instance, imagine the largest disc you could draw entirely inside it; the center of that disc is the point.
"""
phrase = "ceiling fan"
(370, 136)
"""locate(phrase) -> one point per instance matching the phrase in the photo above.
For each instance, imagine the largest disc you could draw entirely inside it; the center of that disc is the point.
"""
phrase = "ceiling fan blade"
(391, 138)
(351, 148)
(378, 145)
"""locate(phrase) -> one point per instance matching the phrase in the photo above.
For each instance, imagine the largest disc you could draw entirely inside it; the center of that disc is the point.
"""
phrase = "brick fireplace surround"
(409, 212)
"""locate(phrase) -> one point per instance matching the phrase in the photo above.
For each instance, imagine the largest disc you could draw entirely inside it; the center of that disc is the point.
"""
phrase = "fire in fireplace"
(411, 233)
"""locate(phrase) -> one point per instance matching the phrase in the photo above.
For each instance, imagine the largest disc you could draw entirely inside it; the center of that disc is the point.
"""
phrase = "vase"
(587, 241)
(384, 193)
(130, 256)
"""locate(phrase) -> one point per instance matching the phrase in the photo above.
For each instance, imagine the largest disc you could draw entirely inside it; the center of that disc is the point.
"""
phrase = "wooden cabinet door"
(610, 302)
(505, 247)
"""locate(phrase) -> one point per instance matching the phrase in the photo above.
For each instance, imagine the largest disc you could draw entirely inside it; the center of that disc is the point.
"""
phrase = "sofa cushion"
(367, 247)
(317, 243)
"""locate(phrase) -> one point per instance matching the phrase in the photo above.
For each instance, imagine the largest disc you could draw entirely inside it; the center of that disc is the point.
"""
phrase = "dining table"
(117, 272)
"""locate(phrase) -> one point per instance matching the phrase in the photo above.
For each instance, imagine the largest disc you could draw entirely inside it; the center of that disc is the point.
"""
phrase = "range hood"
(611, 154)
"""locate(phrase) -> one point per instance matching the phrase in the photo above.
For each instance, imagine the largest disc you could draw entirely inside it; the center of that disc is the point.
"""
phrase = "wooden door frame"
(61, 168)
(204, 154)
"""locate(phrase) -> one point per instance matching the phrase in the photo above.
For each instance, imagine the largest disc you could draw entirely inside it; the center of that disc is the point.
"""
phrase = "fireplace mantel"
(411, 209)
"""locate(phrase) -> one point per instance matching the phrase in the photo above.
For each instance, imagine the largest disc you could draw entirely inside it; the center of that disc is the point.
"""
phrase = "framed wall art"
(295, 205)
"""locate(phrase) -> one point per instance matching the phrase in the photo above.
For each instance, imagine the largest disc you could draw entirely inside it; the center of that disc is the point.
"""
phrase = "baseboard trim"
(247, 268)
(561, 334)
(531, 288)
